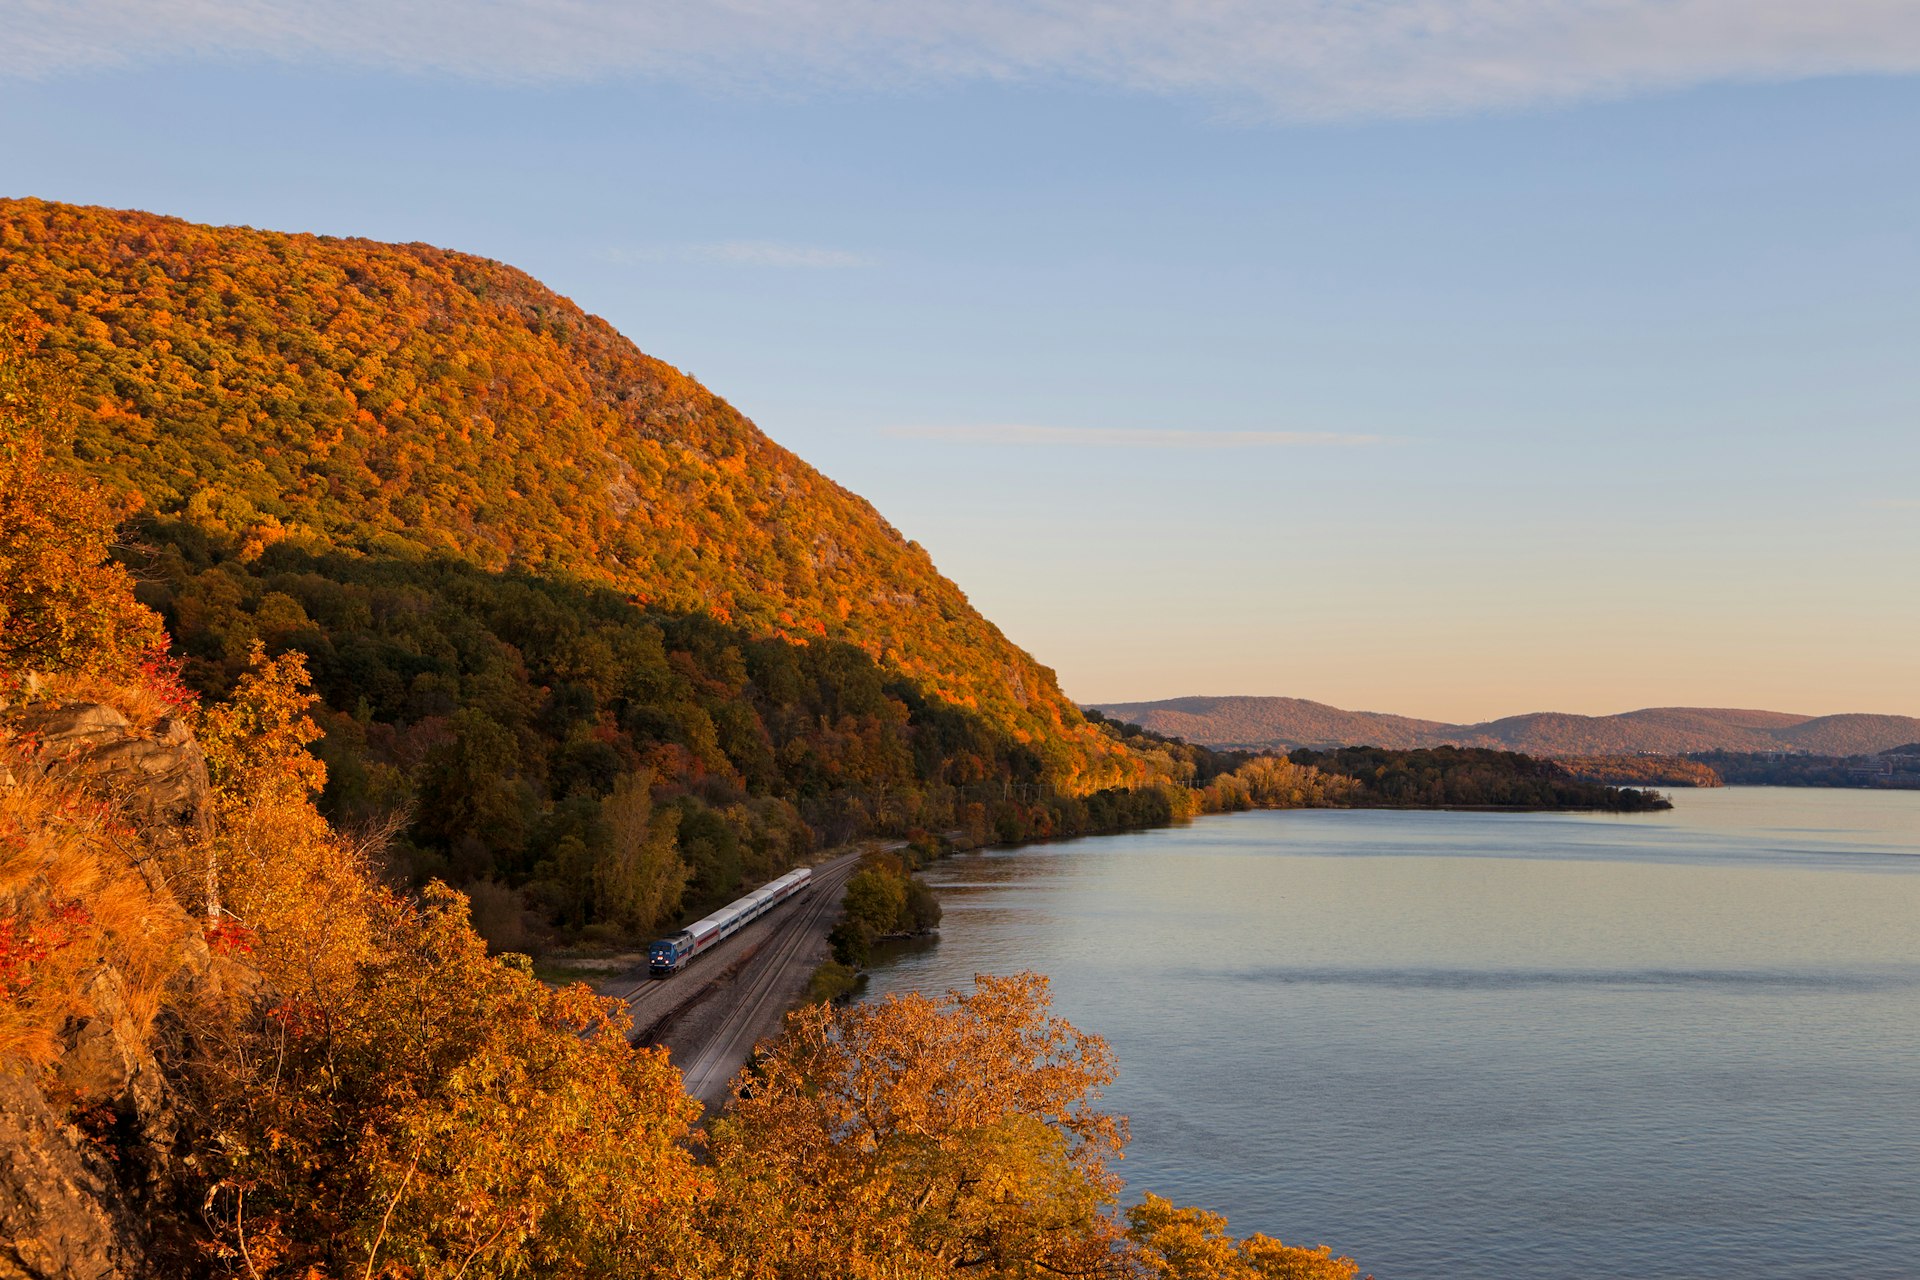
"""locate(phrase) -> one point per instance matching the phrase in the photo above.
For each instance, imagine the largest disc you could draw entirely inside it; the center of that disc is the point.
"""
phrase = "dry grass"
(143, 705)
(73, 902)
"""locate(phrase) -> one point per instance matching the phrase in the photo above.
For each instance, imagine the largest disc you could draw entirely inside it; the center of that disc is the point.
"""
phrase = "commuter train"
(670, 955)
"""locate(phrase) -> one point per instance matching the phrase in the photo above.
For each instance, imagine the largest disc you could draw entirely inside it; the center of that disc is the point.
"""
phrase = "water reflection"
(1454, 1044)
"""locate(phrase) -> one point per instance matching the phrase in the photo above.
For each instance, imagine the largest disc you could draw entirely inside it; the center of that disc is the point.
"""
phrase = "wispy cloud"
(1298, 59)
(1130, 437)
(744, 253)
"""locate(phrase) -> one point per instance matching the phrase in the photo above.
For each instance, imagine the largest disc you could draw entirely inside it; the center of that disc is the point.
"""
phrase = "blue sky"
(1554, 355)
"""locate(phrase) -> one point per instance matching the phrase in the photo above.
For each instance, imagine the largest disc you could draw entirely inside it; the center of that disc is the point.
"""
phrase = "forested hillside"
(1274, 723)
(1640, 771)
(405, 401)
(1469, 778)
(552, 591)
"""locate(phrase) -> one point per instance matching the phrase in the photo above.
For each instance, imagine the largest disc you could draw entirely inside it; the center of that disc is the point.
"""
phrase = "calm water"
(1456, 1045)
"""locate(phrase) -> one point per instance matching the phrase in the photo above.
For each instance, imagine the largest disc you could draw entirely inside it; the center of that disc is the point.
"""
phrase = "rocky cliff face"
(65, 1208)
(91, 1138)
(157, 776)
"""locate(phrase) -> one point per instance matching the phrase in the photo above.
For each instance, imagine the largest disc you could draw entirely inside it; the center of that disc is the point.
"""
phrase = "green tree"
(469, 799)
(876, 898)
(639, 879)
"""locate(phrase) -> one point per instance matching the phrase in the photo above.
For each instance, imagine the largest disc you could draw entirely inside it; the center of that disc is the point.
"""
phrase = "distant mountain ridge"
(1264, 722)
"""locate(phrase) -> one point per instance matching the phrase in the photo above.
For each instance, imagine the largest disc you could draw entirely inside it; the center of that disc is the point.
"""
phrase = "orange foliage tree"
(63, 605)
(398, 1103)
(444, 1113)
(273, 867)
(923, 1137)
(1192, 1244)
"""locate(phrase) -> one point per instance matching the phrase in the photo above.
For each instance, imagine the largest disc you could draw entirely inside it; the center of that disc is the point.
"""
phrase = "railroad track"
(746, 970)
(756, 1003)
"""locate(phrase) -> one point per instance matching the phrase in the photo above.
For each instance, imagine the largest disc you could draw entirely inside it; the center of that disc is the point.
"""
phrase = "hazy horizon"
(1462, 365)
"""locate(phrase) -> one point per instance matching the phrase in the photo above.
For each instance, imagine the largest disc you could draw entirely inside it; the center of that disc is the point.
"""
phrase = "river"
(1681, 1045)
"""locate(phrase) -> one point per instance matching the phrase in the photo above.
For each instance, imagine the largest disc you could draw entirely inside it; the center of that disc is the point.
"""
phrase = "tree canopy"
(403, 400)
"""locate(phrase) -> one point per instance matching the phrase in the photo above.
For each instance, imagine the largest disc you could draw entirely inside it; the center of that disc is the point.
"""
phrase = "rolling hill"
(1256, 722)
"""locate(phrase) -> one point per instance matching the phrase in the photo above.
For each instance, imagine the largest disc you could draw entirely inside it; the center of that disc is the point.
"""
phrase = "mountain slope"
(402, 400)
(1666, 730)
(1293, 722)
(1850, 735)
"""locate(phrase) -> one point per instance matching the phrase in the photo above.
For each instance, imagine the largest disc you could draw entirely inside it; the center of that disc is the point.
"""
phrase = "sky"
(1455, 358)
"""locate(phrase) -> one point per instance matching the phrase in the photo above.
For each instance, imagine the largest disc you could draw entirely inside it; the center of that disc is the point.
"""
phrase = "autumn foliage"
(433, 1111)
(353, 1085)
(1640, 771)
(1191, 1244)
(72, 900)
(72, 897)
(526, 566)
(65, 606)
(402, 400)
(926, 1137)
(954, 1136)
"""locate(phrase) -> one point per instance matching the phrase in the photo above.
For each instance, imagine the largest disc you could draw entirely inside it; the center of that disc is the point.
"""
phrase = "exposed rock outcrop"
(88, 1142)
(159, 775)
(61, 1214)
